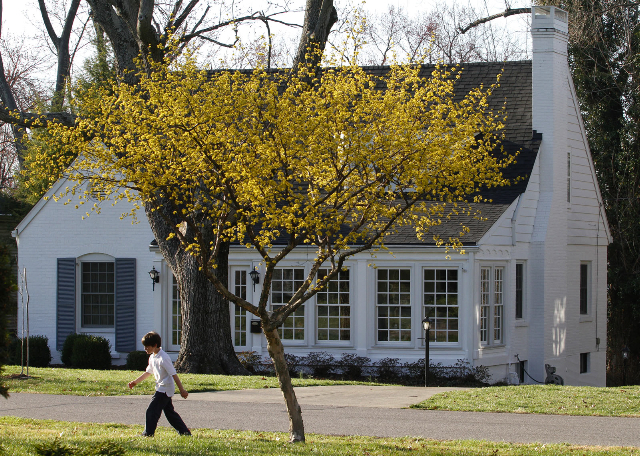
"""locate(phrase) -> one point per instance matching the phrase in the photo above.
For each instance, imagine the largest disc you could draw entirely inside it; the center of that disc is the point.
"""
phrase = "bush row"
(353, 367)
(39, 351)
(86, 351)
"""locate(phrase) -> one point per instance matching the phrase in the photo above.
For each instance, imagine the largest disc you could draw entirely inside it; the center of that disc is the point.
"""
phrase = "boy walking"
(161, 367)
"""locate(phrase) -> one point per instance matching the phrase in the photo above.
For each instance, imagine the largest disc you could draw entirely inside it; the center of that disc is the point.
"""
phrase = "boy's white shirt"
(161, 367)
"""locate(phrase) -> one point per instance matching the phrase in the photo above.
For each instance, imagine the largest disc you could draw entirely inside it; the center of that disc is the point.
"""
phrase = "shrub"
(39, 351)
(67, 349)
(137, 360)
(320, 364)
(387, 369)
(352, 365)
(293, 364)
(91, 352)
(250, 360)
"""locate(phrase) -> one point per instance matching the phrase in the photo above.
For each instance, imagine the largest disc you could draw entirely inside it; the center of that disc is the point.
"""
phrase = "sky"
(21, 18)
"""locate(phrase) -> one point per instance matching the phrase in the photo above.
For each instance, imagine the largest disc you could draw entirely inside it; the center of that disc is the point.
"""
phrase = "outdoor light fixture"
(255, 277)
(625, 352)
(155, 277)
(426, 325)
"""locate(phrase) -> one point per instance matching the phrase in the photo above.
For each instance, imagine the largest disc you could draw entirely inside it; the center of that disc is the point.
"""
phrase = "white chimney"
(548, 265)
(549, 31)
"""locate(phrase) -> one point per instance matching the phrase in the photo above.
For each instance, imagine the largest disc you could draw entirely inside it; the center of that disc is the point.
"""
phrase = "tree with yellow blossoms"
(275, 161)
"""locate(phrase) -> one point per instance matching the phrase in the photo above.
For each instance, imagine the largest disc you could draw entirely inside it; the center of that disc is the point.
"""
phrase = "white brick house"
(530, 289)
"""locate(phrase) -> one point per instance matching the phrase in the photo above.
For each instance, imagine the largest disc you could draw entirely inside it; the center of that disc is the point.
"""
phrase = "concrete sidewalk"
(334, 396)
(336, 410)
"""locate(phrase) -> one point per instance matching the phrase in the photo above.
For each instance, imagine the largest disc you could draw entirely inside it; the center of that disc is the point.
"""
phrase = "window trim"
(584, 308)
(491, 342)
(399, 343)
(232, 307)
(522, 275)
(93, 329)
(585, 363)
(303, 308)
(432, 333)
(316, 328)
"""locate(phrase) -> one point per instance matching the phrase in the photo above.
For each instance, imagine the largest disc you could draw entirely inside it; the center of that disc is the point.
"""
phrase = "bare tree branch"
(505, 13)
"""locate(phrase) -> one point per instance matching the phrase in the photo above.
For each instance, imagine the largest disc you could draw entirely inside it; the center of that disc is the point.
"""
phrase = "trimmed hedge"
(86, 351)
(39, 351)
(137, 360)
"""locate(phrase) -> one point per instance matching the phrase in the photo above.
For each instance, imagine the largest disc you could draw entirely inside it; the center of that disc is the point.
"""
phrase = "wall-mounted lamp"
(255, 277)
(155, 277)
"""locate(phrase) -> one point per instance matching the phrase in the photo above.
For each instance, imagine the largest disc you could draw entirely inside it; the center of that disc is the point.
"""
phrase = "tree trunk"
(205, 345)
(276, 351)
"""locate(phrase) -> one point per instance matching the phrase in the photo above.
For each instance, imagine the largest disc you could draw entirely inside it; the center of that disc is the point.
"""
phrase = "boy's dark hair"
(152, 338)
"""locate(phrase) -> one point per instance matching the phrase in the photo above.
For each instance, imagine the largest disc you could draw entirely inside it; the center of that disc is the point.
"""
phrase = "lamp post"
(155, 277)
(426, 325)
(625, 357)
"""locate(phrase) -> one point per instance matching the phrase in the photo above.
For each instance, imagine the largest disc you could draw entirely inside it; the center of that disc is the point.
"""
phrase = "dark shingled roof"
(514, 95)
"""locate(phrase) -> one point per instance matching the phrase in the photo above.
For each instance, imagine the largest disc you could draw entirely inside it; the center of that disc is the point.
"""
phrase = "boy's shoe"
(188, 433)
(144, 434)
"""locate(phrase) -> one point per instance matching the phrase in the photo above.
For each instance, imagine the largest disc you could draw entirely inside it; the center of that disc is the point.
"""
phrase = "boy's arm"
(183, 392)
(138, 380)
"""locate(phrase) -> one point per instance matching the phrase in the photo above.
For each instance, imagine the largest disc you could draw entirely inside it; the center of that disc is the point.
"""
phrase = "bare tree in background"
(431, 36)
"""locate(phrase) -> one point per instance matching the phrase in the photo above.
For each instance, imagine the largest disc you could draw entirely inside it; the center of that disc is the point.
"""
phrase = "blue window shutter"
(125, 304)
(65, 300)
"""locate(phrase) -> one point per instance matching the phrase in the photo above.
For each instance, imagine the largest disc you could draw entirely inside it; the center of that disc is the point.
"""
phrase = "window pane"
(97, 296)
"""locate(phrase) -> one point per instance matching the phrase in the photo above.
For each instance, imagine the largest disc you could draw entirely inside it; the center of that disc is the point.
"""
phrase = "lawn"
(20, 436)
(546, 399)
(86, 382)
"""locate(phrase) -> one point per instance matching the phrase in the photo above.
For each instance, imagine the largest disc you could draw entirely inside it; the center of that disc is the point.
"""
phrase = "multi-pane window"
(97, 294)
(333, 308)
(584, 289)
(284, 284)
(491, 305)
(176, 313)
(239, 314)
(393, 305)
(519, 290)
(441, 303)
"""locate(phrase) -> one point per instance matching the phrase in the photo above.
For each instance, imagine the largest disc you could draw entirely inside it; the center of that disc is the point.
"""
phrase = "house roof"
(514, 94)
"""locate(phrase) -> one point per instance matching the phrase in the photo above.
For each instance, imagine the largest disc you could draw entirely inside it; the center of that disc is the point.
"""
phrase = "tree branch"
(506, 13)
(29, 120)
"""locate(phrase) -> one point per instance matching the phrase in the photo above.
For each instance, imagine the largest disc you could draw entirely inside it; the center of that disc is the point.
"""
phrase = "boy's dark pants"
(161, 402)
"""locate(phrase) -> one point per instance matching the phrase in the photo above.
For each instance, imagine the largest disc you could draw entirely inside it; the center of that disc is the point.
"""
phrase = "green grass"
(86, 382)
(20, 435)
(546, 399)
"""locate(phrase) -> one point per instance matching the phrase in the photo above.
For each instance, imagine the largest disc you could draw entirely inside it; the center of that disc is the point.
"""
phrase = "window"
(584, 363)
(97, 294)
(441, 303)
(491, 305)
(176, 313)
(584, 288)
(393, 307)
(519, 290)
(284, 284)
(334, 309)
(239, 314)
